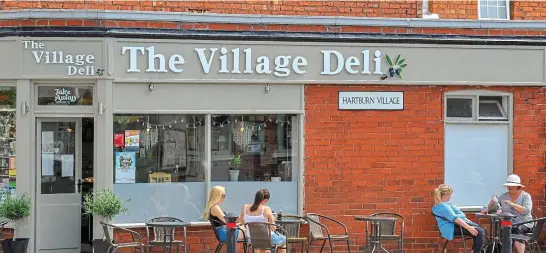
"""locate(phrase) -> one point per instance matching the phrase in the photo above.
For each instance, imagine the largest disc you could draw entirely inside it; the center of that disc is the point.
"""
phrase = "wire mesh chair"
(161, 233)
(292, 229)
(220, 242)
(461, 236)
(532, 239)
(316, 228)
(389, 229)
(259, 234)
(136, 242)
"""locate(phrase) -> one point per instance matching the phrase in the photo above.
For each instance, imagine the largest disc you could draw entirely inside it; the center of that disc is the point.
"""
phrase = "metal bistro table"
(168, 227)
(292, 227)
(494, 243)
(376, 233)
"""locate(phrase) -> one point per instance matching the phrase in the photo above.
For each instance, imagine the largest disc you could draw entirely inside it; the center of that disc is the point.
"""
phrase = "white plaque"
(384, 100)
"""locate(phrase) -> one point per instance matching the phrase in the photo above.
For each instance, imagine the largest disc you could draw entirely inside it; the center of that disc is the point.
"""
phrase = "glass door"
(58, 164)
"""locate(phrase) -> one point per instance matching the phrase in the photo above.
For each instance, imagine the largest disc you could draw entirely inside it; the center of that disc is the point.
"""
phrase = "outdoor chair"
(389, 229)
(160, 233)
(260, 236)
(461, 236)
(316, 228)
(135, 244)
(531, 239)
(221, 243)
(293, 230)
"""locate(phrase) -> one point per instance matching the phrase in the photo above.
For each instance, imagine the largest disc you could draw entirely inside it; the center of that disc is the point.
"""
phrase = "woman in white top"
(260, 212)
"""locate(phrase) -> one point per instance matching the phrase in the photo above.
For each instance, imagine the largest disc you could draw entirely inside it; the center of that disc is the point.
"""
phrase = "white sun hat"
(513, 180)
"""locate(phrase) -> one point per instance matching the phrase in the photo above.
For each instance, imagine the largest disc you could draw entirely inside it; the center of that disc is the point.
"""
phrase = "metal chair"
(220, 242)
(461, 236)
(293, 230)
(389, 229)
(260, 235)
(113, 246)
(531, 240)
(316, 228)
(160, 233)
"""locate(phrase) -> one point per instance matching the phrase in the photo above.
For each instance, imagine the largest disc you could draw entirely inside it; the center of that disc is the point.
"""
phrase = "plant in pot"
(14, 209)
(103, 204)
(234, 164)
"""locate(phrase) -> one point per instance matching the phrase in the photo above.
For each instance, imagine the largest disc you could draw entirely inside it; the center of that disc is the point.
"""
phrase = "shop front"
(336, 128)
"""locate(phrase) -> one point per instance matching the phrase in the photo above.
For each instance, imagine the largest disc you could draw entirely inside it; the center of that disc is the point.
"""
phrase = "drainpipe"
(426, 11)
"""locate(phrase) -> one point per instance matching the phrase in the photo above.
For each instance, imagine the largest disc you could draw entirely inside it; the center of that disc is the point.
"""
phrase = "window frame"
(488, 18)
(507, 108)
(208, 124)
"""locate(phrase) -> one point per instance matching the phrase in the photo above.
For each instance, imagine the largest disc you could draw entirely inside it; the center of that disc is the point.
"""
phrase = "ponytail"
(261, 195)
(437, 196)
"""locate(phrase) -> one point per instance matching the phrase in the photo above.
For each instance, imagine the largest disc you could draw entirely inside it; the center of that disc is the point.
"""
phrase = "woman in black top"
(215, 214)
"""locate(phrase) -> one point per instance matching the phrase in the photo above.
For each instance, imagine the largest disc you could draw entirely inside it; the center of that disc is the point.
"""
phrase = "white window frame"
(487, 18)
(501, 109)
(507, 108)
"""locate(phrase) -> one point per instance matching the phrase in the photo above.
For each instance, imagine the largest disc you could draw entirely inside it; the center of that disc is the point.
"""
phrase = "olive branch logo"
(396, 68)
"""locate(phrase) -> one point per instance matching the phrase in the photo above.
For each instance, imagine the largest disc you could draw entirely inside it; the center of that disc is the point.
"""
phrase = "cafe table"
(494, 243)
(376, 231)
(168, 236)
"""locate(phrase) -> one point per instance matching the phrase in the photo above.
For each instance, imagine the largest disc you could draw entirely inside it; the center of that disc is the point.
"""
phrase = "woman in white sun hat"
(517, 202)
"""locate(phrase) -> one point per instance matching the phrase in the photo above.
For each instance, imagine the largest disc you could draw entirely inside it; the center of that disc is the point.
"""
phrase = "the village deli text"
(244, 61)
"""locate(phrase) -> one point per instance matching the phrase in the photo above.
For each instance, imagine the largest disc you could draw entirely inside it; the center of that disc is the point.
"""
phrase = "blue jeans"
(222, 233)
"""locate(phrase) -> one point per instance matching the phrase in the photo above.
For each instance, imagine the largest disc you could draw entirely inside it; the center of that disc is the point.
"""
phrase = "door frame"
(38, 158)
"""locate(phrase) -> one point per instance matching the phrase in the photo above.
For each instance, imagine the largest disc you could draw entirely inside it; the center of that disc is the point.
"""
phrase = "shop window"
(477, 153)
(7, 139)
(265, 144)
(159, 163)
(65, 95)
(494, 9)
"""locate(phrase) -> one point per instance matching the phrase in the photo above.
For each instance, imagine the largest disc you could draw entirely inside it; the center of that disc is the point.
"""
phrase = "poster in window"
(174, 149)
(125, 167)
(119, 140)
(132, 140)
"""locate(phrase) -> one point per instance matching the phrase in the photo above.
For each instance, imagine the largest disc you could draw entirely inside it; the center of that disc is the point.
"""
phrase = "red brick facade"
(359, 162)
(446, 9)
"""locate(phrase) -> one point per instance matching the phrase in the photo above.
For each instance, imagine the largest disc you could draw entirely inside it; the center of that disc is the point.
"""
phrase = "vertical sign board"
(384, 100)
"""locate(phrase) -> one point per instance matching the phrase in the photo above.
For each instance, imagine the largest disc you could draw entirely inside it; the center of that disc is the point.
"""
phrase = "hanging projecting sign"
(388, 100)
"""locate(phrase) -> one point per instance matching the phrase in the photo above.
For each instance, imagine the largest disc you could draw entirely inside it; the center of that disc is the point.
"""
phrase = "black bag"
(20, 245)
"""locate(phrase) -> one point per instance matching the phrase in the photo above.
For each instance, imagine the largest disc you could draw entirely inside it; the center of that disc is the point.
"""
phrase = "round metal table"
(376, 233)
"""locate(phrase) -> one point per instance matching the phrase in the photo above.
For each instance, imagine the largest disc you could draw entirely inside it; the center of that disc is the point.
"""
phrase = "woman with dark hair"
(260, 212)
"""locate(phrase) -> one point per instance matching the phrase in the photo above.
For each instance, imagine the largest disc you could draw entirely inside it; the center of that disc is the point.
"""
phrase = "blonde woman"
(455, 219)
(215, 214)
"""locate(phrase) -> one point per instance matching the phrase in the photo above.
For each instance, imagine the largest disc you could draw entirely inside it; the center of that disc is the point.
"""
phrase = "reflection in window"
(159, 163)
(264, 143)
(7, 139)
(459, 107)
(159, 148)
(58, 157)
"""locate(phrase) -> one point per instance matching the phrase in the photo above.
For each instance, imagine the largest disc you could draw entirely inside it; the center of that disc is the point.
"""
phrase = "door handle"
(79, 185)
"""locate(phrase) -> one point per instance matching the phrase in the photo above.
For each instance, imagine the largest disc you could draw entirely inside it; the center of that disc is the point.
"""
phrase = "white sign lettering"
(76, 64)
(371, 100)
(64, 96)
(243, 61)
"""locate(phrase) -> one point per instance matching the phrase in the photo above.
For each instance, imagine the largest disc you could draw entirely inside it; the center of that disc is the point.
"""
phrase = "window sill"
(468, 209)
(143, 225)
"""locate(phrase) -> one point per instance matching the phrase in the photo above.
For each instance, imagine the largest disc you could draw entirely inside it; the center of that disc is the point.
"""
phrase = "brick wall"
(360, 162)
(446, 9)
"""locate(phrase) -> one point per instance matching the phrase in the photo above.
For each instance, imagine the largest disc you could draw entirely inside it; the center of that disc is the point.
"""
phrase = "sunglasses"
(223, 196)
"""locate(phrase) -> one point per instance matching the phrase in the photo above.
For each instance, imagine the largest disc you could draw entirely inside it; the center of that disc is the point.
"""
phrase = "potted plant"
(234, 164)
(103, 204)
(14, 209)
